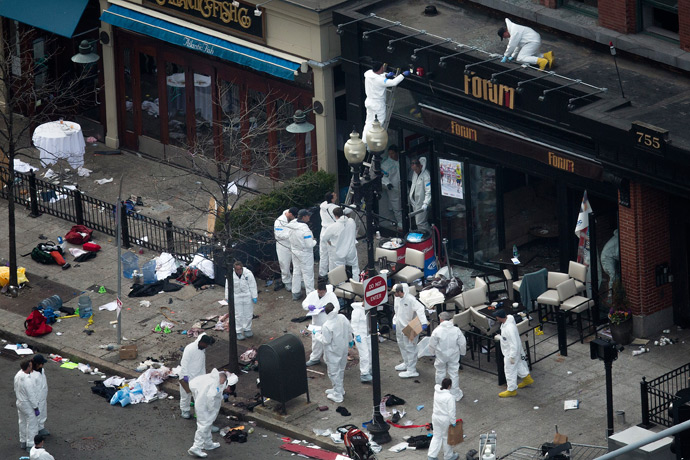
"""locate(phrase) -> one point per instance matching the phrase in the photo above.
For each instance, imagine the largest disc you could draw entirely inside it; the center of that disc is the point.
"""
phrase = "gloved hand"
(505, 59)
(358, 339)
(425, 207)
(453, 424)
(425, 327)
(510, 59)
(255, 300)
(352, 343)
(390, 75)
(512, 360)
(406, 73)
(186, 378)
(393, 326)
(390, 186)
(37, 412)
(312, 307)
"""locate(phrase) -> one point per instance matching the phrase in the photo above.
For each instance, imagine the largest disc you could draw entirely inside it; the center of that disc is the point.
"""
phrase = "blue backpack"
(50, 315)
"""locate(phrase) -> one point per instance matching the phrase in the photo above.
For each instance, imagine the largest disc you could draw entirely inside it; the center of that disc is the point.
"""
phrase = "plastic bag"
(5, 276)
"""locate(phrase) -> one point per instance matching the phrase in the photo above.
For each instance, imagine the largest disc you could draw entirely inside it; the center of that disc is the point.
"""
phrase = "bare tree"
(31, 96)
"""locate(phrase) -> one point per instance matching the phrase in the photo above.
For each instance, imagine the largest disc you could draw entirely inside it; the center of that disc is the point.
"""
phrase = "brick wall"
(618, 15)
(644, 243)
(684, 24)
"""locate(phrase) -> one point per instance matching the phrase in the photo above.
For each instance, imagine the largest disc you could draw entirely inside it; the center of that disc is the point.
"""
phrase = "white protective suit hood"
(193, 363)
(345, 245)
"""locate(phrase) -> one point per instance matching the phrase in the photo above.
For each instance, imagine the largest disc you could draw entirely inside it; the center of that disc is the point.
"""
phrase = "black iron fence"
(658, 394)
(70, 204)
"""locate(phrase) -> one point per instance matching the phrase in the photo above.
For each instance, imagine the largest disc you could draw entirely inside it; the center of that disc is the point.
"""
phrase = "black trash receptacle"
(282, 369)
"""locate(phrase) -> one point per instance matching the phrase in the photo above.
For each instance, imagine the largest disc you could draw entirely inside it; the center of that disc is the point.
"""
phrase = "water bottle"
(85, 308)
(149, 272)
(516, 254)
(130, 262)
(61, 242)
(54, 302)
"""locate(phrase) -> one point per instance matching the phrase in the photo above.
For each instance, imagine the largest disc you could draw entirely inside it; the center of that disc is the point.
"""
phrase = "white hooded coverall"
(514, 357)
(441, 418)
(448, 344)
(345, 248)
(360, 328)
(327, 218)
(420, 195)
(39, 454)
(208, 396)
(282, 235)
(329, 238)
(192, 365)
(523, 43)
(244, 290)
(41, 383)
(27, 401)
(391, 198)
(318, 316)
(406, 308)
(302, 245)
(336, 334)
(375, 88)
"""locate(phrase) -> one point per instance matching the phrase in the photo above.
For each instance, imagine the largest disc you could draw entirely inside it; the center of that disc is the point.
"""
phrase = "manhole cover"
(87, 444)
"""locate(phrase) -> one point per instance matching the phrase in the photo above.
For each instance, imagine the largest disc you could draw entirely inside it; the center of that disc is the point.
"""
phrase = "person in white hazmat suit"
(514, 357)
(376, 80)
(441, 418)
(336, 336)
(302, 246)
(390, 199)
(406, 308)
(345, 245)
(420, 193)
(360, 328)
(192, 365)
(281, 233)
(327, 219)
(39, 377)
(208, 392)
(38, 452)
(523, 45)
(611, 258)
(27, 405)
(315, 305)
(246, 295)
(448, 344)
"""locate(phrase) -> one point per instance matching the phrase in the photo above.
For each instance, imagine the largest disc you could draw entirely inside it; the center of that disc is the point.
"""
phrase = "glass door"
(482, 183)
(128, 110)
(453, 206)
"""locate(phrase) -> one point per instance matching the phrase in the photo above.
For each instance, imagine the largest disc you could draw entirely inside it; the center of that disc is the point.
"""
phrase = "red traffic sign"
(375, 291)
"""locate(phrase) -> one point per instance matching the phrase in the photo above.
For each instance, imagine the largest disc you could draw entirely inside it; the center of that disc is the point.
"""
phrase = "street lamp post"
(367, 188)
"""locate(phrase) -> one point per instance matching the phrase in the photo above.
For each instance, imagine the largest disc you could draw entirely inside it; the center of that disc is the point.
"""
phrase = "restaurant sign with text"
(517, 144)
(216, 13)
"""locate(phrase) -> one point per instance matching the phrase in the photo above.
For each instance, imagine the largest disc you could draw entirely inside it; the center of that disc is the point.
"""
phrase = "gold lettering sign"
(561, 163)
(463, 131)
(481, 88)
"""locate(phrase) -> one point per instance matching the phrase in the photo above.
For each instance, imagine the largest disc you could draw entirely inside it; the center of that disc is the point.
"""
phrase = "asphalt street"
(84, 426)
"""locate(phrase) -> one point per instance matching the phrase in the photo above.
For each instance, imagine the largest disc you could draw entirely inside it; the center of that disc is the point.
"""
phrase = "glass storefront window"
(287, 153)
(230, 119)
(406, 105)
(129, 101)
(258, 143)
(203, 113)
(150, 116)
(484, 213)
(453, 206)
(177, 107)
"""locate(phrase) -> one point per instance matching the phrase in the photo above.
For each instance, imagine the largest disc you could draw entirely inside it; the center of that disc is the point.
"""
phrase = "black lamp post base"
(379, 432)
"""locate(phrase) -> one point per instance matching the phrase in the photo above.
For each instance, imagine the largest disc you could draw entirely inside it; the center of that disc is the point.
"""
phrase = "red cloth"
(57, 257)
(91, 247)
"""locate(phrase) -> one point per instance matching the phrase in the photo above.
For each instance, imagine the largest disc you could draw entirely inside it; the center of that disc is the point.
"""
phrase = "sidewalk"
(528, 419)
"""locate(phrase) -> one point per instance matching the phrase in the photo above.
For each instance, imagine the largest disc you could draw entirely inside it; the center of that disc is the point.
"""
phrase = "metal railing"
(658, 394)
(70, 204)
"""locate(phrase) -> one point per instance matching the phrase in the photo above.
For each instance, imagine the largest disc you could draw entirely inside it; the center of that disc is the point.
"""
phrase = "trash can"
(130, 262)
(421, 241)
(282, 369)
(394, 244)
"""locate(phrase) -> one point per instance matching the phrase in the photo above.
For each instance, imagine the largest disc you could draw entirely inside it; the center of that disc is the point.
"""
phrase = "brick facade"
(684, 24)
(645, 243)
(618, 15)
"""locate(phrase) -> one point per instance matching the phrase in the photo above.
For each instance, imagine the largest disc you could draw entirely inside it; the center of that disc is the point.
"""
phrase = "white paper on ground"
(110, 306)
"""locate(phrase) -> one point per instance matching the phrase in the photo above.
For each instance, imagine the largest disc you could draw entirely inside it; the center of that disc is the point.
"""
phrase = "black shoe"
(278, 285)
(66, 266)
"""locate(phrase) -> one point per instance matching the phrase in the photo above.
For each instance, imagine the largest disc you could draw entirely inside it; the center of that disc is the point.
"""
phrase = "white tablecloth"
(202, 94)
(55, 140)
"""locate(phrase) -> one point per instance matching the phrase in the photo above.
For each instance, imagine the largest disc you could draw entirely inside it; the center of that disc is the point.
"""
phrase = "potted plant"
(620, 316)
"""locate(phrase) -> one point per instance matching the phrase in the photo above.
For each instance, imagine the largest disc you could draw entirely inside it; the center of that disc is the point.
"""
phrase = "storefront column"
(644, 245)
(109, 82)
(325, 123)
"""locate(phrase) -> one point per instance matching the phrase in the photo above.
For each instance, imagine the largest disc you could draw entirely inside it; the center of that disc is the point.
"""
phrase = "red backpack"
(79, 234)
(36, 325)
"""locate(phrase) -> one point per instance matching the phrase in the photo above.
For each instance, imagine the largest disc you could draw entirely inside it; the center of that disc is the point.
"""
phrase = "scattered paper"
(110, 306)
(223, 303)
(19, 351)
(102, 181)
(23, 167)
(398, 447)
(84, 172)
(571, 404)
(49, 174)
(515, 261)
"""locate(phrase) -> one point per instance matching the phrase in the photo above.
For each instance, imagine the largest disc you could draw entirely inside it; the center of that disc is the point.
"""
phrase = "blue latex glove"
(510, 59)
(505, 59)
(393, 326)
(185, 378)
(358, 339)
(352, 343)
(312, 307)
(255, 300)
(406, 73)
(37, 412)
(425, 327)
(390, 75)
(453, 424)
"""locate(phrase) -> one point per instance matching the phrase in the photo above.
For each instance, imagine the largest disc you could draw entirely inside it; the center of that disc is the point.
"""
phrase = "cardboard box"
(413, 329)
(128, 352)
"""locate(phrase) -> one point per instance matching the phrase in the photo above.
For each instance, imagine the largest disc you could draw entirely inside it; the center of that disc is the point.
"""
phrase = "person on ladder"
(376, 81)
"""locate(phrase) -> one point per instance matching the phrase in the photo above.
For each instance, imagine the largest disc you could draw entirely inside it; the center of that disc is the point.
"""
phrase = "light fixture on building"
(257, 11)
(520, 84)
(547, 91)
(572, 100)
(390, 48)
(300, 125)
(442, 62)
(86, 54)
(494, 76)
(417, 50)
(355, 149)
(492, 58)
(340, 29)
(365, 35)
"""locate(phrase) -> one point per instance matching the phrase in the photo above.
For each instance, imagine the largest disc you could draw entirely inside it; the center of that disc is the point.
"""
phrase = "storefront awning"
(197, 41)
(59, 17)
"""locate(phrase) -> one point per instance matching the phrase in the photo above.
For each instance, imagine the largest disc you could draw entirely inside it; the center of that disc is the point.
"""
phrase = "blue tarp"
(188, 38)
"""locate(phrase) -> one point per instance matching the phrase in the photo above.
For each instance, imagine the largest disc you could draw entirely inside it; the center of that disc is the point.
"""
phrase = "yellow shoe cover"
(549, 57)
(542, 63)
(507, 394)
(526, 381)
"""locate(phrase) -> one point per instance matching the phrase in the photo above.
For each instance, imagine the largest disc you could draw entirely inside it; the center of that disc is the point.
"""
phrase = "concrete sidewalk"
(527, 420)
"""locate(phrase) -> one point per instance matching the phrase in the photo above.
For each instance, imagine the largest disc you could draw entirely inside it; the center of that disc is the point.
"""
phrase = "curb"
(167, 386)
